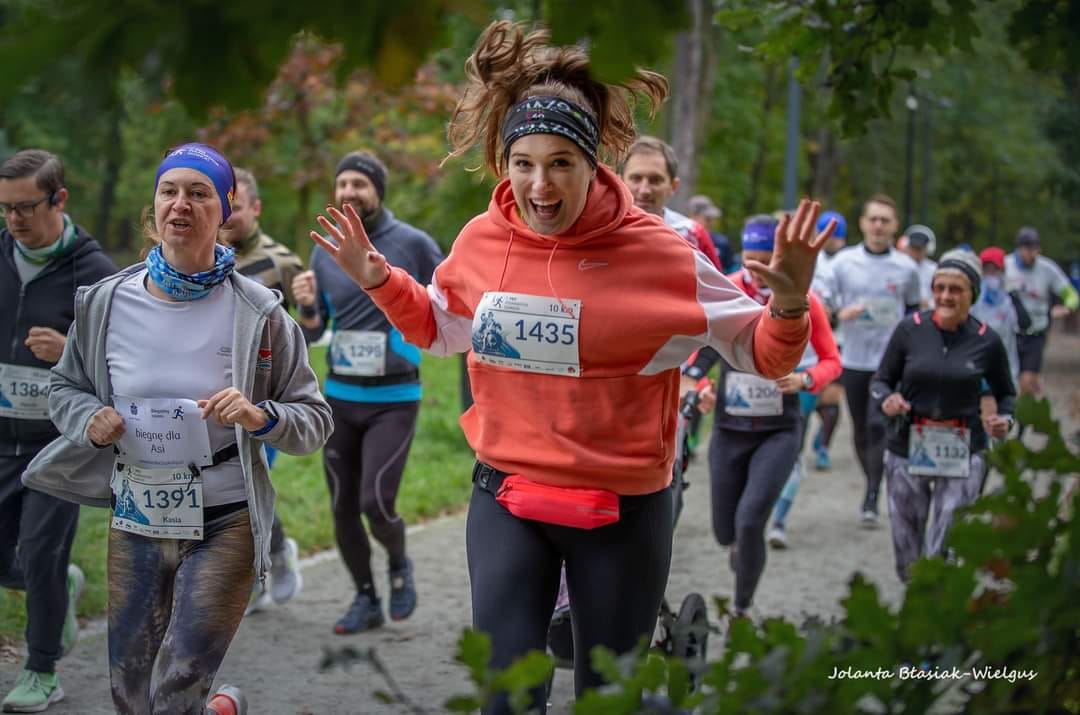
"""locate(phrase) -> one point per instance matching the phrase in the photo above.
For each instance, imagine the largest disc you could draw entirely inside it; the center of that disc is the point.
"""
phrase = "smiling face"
(550, 178)
(952, 295)
(187, 213)
(646, 175)
(354, 187)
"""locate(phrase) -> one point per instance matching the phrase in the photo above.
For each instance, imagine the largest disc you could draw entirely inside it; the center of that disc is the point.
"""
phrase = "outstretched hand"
(351, 249)
(794, 257)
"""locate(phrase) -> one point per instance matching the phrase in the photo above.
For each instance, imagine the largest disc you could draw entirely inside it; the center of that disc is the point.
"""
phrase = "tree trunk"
(751, 206)
(691, 92)
(114, 157)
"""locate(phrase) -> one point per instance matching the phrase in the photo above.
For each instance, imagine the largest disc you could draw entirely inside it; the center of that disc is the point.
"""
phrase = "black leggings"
(747, 472)
(868, 429)
(616, 575)
(364, 461)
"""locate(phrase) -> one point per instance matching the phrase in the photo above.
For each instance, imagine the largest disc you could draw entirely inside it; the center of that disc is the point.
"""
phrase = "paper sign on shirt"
(936, 450)
(747, 395)
(882, 312)
(359, 352)
(528, 332)
(163, 432)
(24, 392)
(159, 503)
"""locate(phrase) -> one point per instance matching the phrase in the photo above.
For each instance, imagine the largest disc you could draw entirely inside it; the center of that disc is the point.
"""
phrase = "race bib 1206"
(159, 503)
(747, 395)
(24, 392)
(529, 333)
(936, 450)
(163, 432)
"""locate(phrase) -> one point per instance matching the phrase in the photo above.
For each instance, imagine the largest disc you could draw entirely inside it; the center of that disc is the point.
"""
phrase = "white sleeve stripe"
(730, 315)
(453, 333)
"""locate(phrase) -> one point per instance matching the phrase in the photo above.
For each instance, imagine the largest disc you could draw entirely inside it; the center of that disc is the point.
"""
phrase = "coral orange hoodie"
(647, 301)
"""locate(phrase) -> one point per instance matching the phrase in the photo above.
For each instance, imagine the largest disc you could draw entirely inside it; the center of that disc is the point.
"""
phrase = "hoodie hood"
(607, 207)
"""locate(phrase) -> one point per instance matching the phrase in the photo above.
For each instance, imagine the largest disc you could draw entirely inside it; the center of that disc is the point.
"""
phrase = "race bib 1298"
(359, 352)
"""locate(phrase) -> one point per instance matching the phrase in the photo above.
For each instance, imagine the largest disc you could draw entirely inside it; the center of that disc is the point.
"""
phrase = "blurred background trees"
(968, 113)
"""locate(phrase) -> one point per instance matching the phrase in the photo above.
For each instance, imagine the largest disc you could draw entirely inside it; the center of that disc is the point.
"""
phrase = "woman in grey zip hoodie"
(180, 341)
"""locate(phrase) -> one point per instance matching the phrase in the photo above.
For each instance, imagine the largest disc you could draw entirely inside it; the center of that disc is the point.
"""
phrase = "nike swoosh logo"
(585, 264)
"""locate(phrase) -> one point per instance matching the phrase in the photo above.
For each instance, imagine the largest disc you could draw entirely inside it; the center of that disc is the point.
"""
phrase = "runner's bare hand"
(794, 257)
(106, 426)
(895, 404)
(351, 249)
(230, 407)
(304, 288)
(46, 344)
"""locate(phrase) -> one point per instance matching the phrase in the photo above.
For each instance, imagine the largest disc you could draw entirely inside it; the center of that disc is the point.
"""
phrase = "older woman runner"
(184, 369)
(929, 384)
(578, 309)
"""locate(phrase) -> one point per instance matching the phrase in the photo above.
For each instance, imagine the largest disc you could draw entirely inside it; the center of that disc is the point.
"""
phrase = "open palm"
(794, 257)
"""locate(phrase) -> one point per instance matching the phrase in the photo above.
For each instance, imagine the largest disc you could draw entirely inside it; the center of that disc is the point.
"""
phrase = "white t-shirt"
(884, 284)
(926, 280)
(157, 348)
(1035, 286)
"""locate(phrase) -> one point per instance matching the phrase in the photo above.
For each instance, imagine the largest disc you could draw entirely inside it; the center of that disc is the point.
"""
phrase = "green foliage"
(993, 629)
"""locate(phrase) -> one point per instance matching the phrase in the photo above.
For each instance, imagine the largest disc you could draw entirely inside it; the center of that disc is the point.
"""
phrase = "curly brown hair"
(510, 64)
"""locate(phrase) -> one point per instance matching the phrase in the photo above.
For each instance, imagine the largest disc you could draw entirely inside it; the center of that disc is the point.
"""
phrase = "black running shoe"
(402, 592)
(364, 614)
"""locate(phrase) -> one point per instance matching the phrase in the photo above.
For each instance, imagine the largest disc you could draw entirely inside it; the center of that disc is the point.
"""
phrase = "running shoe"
(822, 462)
(285, 578)
(777, 537)
(228, 700)
(869, 519)
(364, 614)
(76, 581)
(259, 599)
(402, 592)
(33, 692)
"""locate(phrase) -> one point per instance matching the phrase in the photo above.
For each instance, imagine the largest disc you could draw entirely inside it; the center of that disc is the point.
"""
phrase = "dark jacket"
(46, 301)
(942, 373)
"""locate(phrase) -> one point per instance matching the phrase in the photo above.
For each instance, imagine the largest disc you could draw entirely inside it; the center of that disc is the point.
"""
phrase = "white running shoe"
(259, 599)
(778, 537)
(285, 578)
(869, 519)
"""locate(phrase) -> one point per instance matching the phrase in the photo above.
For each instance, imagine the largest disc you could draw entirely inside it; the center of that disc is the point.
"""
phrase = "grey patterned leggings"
(174, 607)
(910, 500)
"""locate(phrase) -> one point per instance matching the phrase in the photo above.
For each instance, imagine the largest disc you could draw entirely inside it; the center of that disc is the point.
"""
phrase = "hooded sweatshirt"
(47, 300)
(647, 300)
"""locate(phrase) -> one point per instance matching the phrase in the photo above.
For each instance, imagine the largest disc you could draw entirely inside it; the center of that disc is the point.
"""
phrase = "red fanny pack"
(562, 506)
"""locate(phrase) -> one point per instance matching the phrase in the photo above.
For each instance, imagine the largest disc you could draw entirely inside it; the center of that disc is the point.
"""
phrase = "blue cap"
(841, 224)
(208, 161)
(758, 235)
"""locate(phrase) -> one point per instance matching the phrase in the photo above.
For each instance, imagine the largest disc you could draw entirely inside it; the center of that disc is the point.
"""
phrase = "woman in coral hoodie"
(578, 309)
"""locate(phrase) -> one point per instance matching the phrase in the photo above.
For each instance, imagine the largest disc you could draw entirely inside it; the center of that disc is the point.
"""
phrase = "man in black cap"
(919, 242)
(373, 387)
(1037, 279)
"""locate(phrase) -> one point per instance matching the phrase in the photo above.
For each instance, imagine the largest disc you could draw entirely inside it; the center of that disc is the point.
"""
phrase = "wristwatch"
(267, 408)
(807, 381)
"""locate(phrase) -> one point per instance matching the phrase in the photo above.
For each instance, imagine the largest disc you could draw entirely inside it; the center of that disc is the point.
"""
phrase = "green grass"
(436, 481)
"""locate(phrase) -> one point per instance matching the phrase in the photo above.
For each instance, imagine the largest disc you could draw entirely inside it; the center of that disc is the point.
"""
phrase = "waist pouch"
(579, 508)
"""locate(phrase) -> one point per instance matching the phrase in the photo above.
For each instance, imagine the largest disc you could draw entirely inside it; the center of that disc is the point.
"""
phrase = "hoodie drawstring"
(506, 259)
(566, 309)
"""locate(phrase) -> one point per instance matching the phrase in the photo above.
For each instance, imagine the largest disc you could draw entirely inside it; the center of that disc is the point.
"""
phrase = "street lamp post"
(909, 180)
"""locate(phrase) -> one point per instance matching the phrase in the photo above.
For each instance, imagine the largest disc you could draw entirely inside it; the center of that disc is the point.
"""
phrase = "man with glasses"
(44, 257)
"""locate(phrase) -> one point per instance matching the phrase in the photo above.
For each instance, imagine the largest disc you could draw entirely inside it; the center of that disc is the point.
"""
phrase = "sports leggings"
(174, 607)
(747, 471)
(912, 498)
(364, 461)
(616, 575)
(868, 429)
